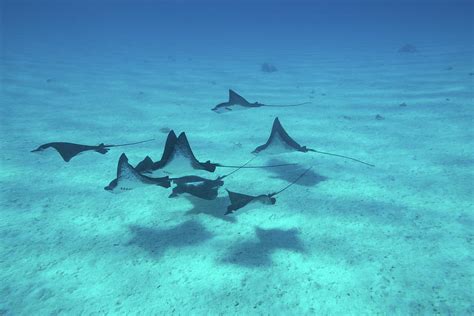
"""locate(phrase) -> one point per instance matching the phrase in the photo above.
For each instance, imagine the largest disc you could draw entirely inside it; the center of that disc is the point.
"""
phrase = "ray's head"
(112, 187)
(221, 108)
(40, 148)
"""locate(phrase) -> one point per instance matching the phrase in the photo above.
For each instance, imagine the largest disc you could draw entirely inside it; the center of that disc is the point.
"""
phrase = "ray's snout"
(112, 185)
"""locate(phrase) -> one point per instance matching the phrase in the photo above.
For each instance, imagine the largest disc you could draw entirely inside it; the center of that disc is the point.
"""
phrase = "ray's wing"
(168, 151)
(70, 150)
(128, 178)
(235, 98)
(238, 200)
(280, 138)
(144, 165)
(186, 150)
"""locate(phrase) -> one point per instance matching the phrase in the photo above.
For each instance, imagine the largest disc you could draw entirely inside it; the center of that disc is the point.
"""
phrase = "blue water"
(101, 28)
(346, 238)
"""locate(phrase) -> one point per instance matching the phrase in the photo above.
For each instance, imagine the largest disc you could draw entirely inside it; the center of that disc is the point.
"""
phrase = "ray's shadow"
(155, 241)
(310, 179)
(258, 253)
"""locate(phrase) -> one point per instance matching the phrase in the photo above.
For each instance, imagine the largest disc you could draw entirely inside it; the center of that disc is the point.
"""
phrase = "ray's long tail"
(128, 144)
(243, 166)
(257, 167)
(341, 156)
(286, 105)
(292, 182)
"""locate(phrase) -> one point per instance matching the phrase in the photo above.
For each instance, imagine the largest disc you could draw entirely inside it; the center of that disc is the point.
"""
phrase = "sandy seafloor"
(347, 239)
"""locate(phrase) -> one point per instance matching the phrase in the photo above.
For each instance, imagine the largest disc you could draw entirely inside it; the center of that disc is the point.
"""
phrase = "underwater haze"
(357, 200)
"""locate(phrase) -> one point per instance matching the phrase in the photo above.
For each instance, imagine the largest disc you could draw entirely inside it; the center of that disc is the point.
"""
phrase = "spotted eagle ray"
(128, 178)
(236, 101)
(178, 159)
(239, 200)
(280, 142)
(200, 187)
(70, 150)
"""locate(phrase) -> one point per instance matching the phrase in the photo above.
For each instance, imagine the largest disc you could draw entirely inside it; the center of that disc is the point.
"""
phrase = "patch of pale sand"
(390, 239)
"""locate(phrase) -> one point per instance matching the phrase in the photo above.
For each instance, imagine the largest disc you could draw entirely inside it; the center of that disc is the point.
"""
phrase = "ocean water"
(345, 239)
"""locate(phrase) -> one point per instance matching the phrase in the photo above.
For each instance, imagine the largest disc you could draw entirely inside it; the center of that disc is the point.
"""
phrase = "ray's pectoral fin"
(237, 201)
(128, 178)
(69, 151)
(235, 98)
(279, 141)
(67, 156)
(146, 165)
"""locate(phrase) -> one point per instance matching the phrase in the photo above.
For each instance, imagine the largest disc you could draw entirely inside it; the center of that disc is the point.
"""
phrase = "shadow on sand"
(310, 179)
(155, 241)
(258, 253)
